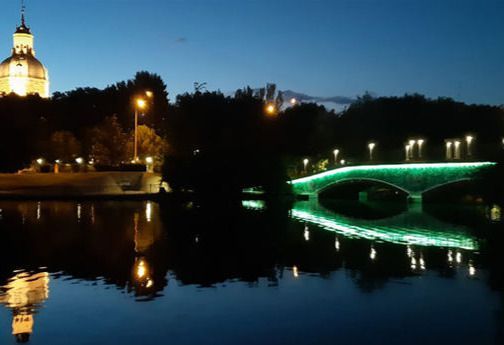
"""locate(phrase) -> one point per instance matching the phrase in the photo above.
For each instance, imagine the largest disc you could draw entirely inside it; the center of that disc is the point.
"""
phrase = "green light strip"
(370, 168)
(416, 177)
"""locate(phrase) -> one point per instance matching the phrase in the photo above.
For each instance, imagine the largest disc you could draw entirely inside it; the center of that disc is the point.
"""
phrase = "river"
(112, 272)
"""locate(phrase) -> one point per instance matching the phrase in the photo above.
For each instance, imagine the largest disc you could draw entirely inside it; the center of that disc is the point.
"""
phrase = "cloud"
(181, 40)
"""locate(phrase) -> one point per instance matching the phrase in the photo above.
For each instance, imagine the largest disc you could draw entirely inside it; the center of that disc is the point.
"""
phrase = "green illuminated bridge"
(414, 179)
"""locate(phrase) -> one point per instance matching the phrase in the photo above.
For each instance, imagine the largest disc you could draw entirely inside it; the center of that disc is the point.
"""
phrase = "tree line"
(213, 143)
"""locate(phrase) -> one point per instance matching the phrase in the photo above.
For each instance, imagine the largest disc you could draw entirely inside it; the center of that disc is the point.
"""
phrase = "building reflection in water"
(146, 233)
(495, 213)
(24, 294)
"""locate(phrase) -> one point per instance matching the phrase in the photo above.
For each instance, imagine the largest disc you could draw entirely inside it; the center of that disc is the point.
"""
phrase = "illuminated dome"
(22, 73)
(34, 67)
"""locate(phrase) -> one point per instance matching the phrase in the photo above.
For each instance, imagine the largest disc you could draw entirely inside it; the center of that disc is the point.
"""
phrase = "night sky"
(321, 48)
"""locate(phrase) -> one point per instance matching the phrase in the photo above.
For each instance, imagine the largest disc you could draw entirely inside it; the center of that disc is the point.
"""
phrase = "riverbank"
(115, 185)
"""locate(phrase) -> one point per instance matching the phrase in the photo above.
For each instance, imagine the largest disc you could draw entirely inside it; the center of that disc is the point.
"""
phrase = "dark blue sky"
(318, 47)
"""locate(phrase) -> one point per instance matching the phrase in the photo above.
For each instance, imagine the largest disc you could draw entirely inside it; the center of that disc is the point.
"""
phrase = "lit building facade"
(22, 73)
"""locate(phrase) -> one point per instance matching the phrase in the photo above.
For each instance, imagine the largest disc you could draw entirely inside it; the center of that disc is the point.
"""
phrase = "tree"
(149, 144)
(107, 142)
(63, 145)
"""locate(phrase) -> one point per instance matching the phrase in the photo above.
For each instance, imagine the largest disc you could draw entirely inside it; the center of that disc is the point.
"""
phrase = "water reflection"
(24, 294)
(409, 228)
(136, 247)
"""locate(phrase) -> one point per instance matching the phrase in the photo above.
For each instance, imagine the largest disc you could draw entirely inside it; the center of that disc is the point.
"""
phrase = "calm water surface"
(141, 273)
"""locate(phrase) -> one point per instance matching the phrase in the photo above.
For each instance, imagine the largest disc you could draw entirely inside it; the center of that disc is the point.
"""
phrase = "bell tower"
(23, 38)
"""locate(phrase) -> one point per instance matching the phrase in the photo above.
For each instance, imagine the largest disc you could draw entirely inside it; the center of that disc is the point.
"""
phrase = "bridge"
(413, 179)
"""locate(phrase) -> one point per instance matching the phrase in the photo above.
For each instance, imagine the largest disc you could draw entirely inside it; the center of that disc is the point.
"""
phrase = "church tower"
(22, 73)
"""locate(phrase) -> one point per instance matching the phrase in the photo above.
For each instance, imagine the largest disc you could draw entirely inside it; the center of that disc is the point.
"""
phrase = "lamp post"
(371, 147)
(407, 151)
(305, 164)
(412, 148)
(420, 144)
(449, 150)
(457, 150)
(140, 104)
(336, 153)
(469, 140)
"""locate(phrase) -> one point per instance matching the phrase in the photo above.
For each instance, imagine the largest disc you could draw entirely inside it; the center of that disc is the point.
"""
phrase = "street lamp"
(449, 150)
(270, 109)
(407, 149)
(336, 153)
(305, 163)
(412, 148)
(469, 140)
(457, 149)
(140, 104)
(371, 147)
(420, 143)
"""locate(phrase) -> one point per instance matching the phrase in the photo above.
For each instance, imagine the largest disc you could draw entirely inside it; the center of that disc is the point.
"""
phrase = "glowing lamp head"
(420, 142)
(336, 152)
(79, 160)
(469, 139)
(40, 161)
(306, 161)
(149, 160)
(293, 101)
(270, 109)
(371, 146)
(149, 94)
(457, 143)
(449, 144)
(343, 162)
(141, 103)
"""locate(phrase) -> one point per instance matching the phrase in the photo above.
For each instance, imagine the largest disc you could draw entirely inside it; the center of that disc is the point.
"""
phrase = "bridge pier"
(415, 202)
(415, 198)
(363, 196)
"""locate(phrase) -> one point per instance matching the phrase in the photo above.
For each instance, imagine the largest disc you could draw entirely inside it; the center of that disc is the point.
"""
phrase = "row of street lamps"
(412, 146)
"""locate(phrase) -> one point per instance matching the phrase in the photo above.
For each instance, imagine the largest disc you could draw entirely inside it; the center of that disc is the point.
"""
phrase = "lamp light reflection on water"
(306, 233)
(422, 264)
(337, 244)
(148, 212)
(472, 270)
(372, 254)
(450, 256)
(295, 272)
(458, 257)
(413, 263)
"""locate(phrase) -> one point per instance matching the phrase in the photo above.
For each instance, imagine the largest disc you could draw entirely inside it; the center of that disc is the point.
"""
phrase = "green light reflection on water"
(409, 228)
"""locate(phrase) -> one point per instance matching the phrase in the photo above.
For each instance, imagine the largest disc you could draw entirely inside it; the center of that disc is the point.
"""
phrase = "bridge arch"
(361, 179)
(414, 179)
(446, 184)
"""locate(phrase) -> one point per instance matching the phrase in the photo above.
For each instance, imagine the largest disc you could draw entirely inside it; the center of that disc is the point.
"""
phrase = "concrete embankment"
(93, 184)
